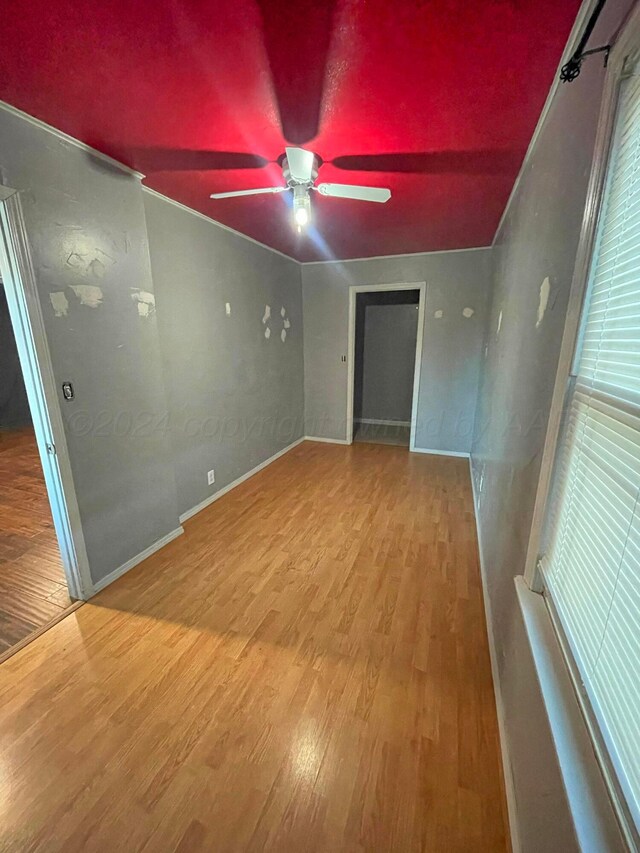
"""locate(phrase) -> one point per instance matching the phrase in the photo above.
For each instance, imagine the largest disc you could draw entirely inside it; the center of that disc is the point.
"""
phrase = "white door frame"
(28, 326)
(421, 286)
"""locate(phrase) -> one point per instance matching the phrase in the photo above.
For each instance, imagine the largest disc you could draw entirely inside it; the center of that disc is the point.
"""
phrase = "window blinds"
(591, 564)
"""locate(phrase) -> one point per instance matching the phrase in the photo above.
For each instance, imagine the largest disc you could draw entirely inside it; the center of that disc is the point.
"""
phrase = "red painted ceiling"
(436, 99)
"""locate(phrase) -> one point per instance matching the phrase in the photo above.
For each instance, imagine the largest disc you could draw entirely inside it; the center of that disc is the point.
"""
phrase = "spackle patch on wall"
(499, 324)
(283, 312)
(438, 314)
(287, 323)
(59, 303)
(545, 289)
(267, 313)
(283, 335)
(227, 309)
(88, 294)
(145, 301)
(267, 333)
(468, 312)
(96, 268)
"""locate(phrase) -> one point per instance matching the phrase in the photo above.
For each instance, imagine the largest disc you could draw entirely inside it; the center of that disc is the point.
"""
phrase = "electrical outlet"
(211, 477)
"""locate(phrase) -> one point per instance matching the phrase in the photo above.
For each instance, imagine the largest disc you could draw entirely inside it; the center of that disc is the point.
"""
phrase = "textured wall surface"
(451, 350)
(234, 380)
(533, 263)
(88, 241)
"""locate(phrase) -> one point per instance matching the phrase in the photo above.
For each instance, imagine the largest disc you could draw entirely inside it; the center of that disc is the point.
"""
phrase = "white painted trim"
(223, 491)
(594, 819)
(117, 164)
(71, 140)
(381, 423)
(124, 568)
(462, 454)
(421, 286)
(35, 360)
(509, 785)
(211, 221)
(576, 31)
(326, 440)
(77, 143)
(400, 255)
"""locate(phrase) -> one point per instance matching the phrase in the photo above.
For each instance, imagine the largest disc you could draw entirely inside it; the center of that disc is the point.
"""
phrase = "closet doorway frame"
(18, 280)
(354, 290)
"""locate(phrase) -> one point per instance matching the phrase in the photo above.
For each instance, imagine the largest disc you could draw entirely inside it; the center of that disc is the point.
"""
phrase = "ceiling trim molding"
(71, 140)
(224, 227)
(399, 255)
(576, 31)
(77, 143)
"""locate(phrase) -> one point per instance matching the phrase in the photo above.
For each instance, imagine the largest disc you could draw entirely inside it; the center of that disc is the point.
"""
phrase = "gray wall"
(388, 362)
(87, 233)
(14, 406)
(235, 396)
(538, 240)
(452, 343)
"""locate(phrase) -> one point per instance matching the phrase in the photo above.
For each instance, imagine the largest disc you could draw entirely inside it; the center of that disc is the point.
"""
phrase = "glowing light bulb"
(301, 207)
(301, 216)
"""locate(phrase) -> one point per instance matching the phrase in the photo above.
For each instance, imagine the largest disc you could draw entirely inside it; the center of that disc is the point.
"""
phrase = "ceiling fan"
(300, 170)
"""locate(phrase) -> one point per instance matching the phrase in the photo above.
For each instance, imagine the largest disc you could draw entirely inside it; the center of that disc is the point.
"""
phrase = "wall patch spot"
(145, 300)
(267, 313)
(282, 311)
(97, 268)
(468, 312)
(267, 333)
(545, 289)
(88, 294)
(438, 314)
(287, 324)
(283, 335)
(75, 260)
(227, 309)
(499, 324)
(60, 303)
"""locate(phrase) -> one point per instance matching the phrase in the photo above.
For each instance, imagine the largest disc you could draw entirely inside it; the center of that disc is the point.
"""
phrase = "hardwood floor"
(33, 588)
(383, 434)
(306, 669)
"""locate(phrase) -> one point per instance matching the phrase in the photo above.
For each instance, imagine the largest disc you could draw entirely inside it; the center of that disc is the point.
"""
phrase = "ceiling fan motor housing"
(293, 182)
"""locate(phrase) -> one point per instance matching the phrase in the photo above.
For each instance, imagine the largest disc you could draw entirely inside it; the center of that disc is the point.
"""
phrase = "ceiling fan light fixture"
(301, 206)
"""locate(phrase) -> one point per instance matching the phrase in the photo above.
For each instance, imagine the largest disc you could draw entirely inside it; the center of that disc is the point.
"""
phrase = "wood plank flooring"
(383, 434)
(33, 588)
(306, 669)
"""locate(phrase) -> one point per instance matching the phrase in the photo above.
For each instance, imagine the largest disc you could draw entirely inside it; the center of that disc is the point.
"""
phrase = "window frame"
(625, 50)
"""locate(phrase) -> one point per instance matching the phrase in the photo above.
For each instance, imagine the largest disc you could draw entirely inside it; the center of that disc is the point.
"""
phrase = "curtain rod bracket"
(571, 69)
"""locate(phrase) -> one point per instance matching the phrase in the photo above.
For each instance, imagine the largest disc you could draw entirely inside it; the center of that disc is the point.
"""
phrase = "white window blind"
(591, 564)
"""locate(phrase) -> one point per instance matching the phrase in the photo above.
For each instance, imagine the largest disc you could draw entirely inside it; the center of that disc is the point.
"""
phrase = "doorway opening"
(43, 569)
(385, 348)
(33, 586)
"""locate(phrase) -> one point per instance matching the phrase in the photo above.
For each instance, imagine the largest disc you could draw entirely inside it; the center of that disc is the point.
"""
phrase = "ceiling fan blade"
(235, 193)
(300, 163)
(379, 194)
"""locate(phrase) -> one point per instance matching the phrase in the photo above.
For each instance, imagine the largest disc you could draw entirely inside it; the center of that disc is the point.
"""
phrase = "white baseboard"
(223, 491)
(457, 453)
(382, 423)
(493, 655)
(326, 440)
(121, 570)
